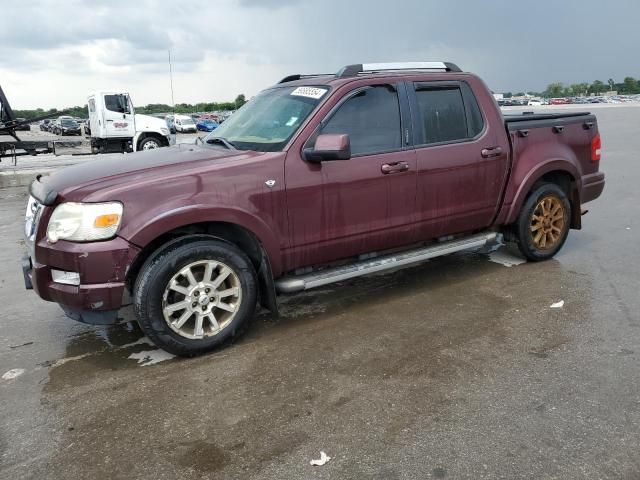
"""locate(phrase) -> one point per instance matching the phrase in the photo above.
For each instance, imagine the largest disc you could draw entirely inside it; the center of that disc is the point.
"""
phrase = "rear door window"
(446, 114)
(371, 118)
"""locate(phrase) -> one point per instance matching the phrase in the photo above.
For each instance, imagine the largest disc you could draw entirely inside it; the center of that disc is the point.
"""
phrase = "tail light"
(596, 144)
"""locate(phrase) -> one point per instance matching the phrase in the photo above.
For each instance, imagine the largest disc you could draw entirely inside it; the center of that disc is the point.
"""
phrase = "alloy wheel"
(201, 299)
(548, 223)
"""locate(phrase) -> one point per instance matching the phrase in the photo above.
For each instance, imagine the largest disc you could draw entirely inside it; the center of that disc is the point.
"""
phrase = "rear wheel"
(191, 297)
(544, 222)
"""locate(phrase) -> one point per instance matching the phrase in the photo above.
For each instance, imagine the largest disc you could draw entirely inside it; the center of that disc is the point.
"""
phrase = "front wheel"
(149, 143)
(544, 222)
(191, 297)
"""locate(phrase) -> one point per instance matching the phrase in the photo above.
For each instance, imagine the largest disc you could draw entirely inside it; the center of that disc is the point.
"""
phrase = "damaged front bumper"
(101, 267)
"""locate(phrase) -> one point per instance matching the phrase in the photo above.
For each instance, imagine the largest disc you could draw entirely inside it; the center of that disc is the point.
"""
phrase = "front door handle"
(394, 167)
(491, 152)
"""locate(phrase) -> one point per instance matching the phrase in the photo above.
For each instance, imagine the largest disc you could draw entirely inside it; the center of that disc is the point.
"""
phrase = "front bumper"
(102, 267)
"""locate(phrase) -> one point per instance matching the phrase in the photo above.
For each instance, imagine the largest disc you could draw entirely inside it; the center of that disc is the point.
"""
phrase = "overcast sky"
(53, 53)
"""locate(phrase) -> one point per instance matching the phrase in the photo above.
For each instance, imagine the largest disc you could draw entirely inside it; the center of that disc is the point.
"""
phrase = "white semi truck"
(115, 127)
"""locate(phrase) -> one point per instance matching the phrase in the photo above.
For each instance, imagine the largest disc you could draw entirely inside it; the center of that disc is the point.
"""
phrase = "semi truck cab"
(116, 128)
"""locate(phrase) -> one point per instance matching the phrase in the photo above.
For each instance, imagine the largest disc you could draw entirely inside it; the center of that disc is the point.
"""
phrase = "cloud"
(244, 45)
(268, 4)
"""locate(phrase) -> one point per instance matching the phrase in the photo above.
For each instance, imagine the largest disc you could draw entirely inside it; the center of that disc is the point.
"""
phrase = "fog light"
(68, 278)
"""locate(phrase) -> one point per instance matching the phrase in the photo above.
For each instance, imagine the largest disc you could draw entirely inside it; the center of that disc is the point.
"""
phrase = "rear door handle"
(491, 152)
(394, 167)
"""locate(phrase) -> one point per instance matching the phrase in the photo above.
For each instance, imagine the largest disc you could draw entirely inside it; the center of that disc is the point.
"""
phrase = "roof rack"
(353, 70)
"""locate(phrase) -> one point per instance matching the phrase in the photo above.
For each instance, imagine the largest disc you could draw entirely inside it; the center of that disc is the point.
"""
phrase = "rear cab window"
(447, 112)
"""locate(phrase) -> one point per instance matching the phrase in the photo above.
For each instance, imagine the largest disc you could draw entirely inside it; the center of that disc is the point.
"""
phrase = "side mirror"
(329, 146)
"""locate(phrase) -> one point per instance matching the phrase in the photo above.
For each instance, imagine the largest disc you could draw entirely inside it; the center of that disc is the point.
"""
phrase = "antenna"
(173, 104)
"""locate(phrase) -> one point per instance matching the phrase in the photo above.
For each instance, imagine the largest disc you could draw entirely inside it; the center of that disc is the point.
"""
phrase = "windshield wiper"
(222, 141)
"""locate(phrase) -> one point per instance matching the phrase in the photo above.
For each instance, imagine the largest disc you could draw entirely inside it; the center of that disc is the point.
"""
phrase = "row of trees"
(629, 86)
(83, 112)
(189, 108)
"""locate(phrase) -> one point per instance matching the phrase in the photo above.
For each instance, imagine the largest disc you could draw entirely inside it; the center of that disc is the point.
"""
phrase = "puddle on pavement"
(442, 280)
(387, 352)
(108, 348)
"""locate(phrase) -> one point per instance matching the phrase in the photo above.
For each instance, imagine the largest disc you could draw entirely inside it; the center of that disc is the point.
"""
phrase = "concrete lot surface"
(457, 368)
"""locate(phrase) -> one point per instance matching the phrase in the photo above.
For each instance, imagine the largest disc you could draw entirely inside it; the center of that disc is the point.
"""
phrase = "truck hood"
(112, 172)
(147, 122)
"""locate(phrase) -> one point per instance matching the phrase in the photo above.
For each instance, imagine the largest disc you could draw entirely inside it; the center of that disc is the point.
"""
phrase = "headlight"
(84, 222)
(165, 131)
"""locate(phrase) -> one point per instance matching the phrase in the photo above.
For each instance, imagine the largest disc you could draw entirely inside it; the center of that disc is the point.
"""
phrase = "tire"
(544, 222)
(156, 292)
(149, 143)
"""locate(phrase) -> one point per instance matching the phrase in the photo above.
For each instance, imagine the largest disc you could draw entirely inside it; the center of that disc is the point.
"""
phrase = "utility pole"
(173, 104)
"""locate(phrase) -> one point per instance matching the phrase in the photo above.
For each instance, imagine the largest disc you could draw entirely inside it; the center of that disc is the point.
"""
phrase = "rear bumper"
(592, 187)
(102, 267)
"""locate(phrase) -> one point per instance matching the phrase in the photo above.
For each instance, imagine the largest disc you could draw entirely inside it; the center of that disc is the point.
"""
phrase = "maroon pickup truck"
(317, 179)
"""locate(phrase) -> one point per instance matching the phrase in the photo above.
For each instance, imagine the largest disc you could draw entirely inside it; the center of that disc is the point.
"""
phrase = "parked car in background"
(66, 126)
(318, 179)
(44, 125)
(559, 101)
(534, 102)
(207, 125)
(185, 124)
(209, 116)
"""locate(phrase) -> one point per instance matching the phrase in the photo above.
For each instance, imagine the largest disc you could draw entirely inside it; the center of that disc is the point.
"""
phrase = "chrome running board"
(298, 283)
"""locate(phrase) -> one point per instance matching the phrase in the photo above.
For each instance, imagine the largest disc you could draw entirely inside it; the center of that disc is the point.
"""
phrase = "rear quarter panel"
(542, 151)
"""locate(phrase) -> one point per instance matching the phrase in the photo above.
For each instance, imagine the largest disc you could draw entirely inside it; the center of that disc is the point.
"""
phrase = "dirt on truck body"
(317, 179)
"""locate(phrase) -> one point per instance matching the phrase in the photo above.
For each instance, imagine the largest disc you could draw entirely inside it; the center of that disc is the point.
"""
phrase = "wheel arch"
(560, 172)
(140, 137)
(228, 232)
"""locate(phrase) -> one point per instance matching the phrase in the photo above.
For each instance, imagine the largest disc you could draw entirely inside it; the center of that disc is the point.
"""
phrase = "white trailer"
(115, 127)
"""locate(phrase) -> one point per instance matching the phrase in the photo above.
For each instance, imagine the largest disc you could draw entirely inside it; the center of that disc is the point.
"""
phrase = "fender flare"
(155, 226)
(558, 164)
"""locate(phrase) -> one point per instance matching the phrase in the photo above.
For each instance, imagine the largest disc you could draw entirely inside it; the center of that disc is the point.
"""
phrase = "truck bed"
(537, 120)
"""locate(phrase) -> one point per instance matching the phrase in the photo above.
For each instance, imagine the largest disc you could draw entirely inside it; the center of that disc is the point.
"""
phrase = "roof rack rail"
(353, 70)
(297, 76)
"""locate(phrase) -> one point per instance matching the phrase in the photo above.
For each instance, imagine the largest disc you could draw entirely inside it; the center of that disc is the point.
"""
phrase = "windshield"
(268, 121)
(68, 122)
(186, 121)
